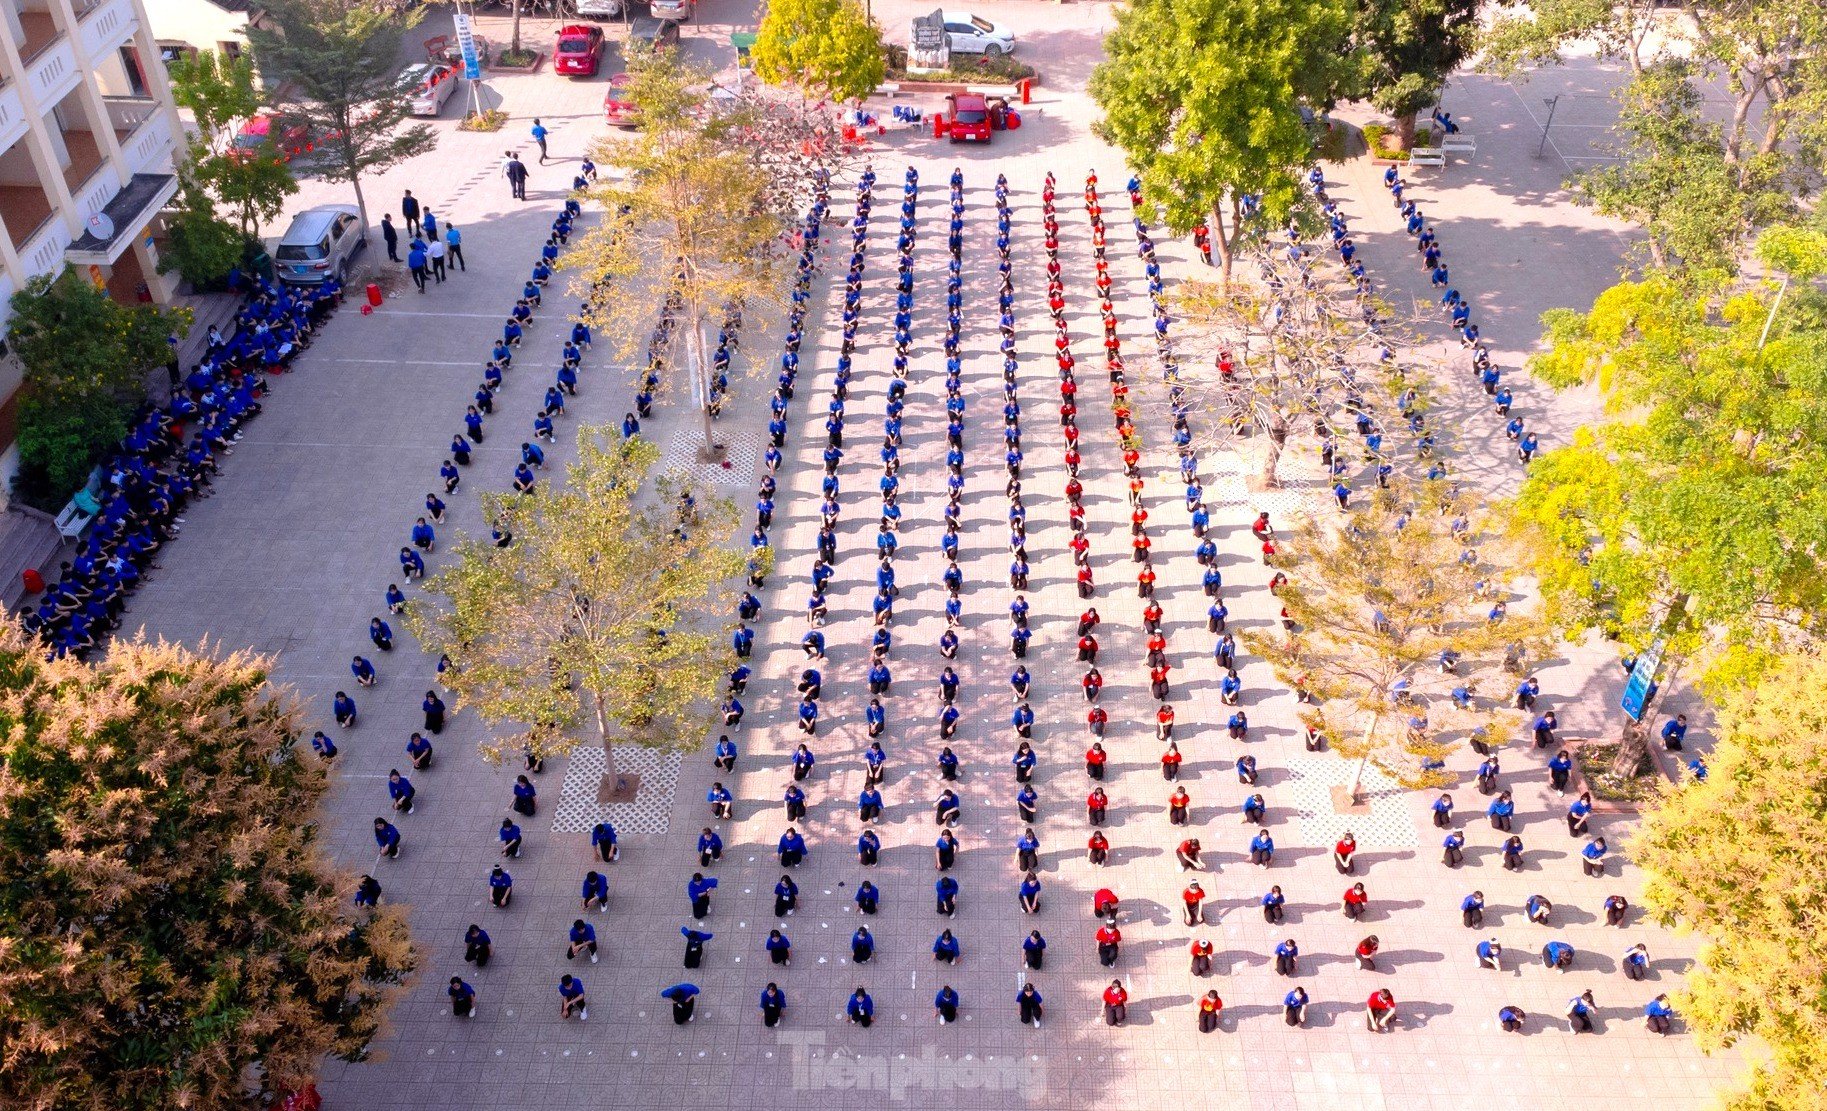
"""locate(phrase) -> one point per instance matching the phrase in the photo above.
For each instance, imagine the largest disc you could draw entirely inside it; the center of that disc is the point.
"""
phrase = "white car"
(678, 11)
(428, 86)
(973, 34)
(599, 9)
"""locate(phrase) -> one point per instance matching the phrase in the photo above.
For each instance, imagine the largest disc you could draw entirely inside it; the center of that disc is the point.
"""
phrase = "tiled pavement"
(292, 555)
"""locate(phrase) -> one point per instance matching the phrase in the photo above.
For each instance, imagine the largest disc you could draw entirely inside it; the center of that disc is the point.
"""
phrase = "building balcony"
(104, 26)
(38, 30)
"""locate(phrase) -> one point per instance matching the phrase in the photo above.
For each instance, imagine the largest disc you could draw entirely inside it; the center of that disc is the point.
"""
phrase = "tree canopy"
(220, 92)
(1204, 99)
(85, 357)
(1704, 486)
(171, 932)
(1410, 47)
(596, 613)
(1737, 858)
(336, 66)
(694, 190)
(1375, 600)
(828, 47)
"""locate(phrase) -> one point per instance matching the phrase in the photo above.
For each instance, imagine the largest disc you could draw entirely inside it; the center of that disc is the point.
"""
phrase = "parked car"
(580, 47)
(680, 10)
(599, 9)
(428, 86)
(646, 34)
(973, 34)
(320, 243)
(287, 137)
(618, 103)
(967, 118)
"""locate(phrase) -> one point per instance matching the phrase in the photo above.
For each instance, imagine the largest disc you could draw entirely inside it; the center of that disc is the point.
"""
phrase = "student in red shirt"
(1208, 1012)
(1170, 762)
(1095, 756)
(1357, 900)
(1116, 1004)
(1109, 939)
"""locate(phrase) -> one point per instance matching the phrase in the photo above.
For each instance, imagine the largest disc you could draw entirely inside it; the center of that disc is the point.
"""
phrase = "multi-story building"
(87, 133)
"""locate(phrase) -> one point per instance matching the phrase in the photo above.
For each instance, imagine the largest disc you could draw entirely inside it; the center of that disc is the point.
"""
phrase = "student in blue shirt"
(1579, 1013)
(773, 1002)
(1502, 812)
(1674, 732)
(698, 889)
(595, 892)
(462, 998)
(582, 940)
(1511, 1018)
(1471, 910)
(945, 892)
(343, 707)
(1659, 1015)
(1262, 849)
(945, 1005)
(862, 945)
(860, 1010)
(710, 847)
(363, 671)
(1592, 857)
(500, 887)
(400, 790)
(791, 848)
(1029, 894)
(946, 948)
(323, 746)
(571, 998)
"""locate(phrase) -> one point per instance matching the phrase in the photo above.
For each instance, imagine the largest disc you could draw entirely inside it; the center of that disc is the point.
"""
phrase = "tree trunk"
(1632, 759)
(1271, 460)
(700, 371)
(1405, 131)
(361, 203)
(1741, 114)
(602, 730)
(1357, 775)
(514, 37)
(1221, 238)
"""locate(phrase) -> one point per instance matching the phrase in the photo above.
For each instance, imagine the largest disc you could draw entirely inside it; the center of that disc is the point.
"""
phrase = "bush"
(491, 119)
(60, 442)
(986, 70)
(1376, 134)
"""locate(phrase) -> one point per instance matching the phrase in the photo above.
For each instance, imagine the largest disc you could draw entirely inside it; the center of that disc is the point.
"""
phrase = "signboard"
(1642, 681)
(929, 31)
(466, 42)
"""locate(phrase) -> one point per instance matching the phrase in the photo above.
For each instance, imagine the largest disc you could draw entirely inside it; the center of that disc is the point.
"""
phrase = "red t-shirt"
(1115, 995)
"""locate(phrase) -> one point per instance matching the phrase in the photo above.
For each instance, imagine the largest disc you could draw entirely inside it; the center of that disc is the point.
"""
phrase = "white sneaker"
(593, 958)
(584, 1015)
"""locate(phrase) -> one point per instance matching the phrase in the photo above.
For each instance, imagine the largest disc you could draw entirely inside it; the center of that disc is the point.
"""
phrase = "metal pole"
(1553, 102)
(1771, 319)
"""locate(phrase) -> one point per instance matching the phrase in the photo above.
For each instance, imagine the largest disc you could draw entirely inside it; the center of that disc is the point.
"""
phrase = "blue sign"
(466, 42)
(1642, 682)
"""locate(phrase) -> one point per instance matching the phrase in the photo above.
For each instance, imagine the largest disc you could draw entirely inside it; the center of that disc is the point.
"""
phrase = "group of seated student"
(169, 455)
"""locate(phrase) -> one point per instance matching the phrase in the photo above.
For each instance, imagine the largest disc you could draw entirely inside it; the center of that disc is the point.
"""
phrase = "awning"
(743, 41)
(129, 212)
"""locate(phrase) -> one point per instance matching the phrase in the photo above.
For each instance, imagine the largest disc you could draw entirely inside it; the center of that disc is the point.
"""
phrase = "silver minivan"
(321, 243)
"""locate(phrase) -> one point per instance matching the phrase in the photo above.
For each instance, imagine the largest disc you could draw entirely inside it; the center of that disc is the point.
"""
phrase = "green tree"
(1698, 210)
(1411, 47)
(1375, 600)
(336, 64)
(1525, 34)
(204, 247)
(1204, 96)
(221, 92)
(172, 933)
(1736, 859)
(828, 47)
(695, 191)
(595, 613)
(85, 357)
(1695, 513)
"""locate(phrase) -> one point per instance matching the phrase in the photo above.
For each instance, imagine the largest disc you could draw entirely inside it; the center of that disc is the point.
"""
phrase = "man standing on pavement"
(453, 240)
(539, 136)
(392, 237)
(435, 254)
(415, 262)
(409, 208)
(516, 173)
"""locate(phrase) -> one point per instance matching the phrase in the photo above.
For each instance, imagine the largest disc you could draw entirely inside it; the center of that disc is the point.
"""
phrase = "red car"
(580, 48)
(287, 138)
(618, 103)
(967, 117)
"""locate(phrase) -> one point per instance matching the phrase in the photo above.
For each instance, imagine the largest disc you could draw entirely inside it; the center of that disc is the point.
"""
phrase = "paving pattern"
(325, 484)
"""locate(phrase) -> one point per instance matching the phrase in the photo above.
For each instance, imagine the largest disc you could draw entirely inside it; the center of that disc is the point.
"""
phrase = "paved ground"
(292, 556)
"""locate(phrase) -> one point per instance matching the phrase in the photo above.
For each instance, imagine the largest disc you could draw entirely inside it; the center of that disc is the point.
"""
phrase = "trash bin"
(1026, 85)
(374, 293)
(939, 125)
